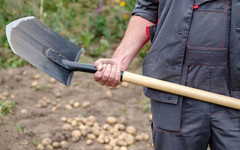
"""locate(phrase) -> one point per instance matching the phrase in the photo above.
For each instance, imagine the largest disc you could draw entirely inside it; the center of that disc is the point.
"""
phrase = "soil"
(24, 131)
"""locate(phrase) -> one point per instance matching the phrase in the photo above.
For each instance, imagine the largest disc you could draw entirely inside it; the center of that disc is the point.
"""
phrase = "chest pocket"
(210, 25)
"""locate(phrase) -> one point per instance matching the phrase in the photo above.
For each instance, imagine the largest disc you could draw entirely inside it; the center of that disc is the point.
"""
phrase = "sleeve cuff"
(150, 16)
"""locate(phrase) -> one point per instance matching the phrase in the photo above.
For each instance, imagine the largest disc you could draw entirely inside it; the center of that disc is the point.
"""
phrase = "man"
(195, 43)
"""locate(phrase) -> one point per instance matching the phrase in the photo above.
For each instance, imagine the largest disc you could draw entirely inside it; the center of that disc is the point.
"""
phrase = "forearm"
(134, 39)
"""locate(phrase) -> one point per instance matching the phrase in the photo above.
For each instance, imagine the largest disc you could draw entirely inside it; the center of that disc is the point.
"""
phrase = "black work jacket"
(169, 41)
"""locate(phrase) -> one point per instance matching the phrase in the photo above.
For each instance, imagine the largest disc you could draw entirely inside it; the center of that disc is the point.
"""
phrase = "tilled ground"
(84, 116)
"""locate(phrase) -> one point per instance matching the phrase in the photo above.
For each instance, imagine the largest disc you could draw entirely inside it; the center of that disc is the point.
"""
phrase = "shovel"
(50, 52)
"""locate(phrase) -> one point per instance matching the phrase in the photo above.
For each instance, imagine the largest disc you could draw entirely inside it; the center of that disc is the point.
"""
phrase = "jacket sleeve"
(147, 9)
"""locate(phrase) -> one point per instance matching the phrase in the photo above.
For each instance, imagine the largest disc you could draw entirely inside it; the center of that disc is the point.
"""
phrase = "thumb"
(99, 64)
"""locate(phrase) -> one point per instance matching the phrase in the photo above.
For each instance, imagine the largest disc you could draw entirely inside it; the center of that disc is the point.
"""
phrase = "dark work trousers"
(202, 123)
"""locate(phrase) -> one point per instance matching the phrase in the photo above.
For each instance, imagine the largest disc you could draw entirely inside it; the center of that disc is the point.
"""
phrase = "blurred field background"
(95, 25)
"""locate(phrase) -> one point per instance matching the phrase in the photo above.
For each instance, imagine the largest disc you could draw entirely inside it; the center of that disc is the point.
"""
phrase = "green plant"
(5, 108)
(104, 45)
(86, 38)
(20, 128)
(43, 87)
(145, 104)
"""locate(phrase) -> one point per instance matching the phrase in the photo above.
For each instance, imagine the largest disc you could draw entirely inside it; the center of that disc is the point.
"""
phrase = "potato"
(86, 104)
(77, 119)
(145, 136)
(96, 131)
(84, 133)
(74, 123)
(34, 84)
(96, 125)
(12, 96)
(148, 145)
(48, 101)
(69, 120)
(107, 147)
(116, 134)
(24, 73)
(42, 103)
(89, 142)
(76, 133)
(54, 108)
(91, 119)
(150, 117)
(121, 126)
(116, 148)
(123, 148)
(57, 94)
(75, 139)
(112, 130)
(36, 76)
(58, 105)
(139, 138)
(88, 123)
(56, 144)
(100, 140)
(64, 145)
(131, 130)
(83, 120)
(76, 104)
(82, 127)
(68, 107)
(129, 139)
(106, 139)
(49, 147)
(52, 80)
(111, 120)
(5, 94)
(46, 141)
(38, 106)
(122, 120)
(24, 111)
(125, 84)
(121, 136)
(109, 94)
(121, 143)
(113, 142)
(91, 136)
(106, 126)
(40, 147)
(67, 127)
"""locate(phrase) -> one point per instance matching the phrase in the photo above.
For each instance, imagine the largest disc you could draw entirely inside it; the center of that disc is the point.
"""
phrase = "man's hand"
(109, 72)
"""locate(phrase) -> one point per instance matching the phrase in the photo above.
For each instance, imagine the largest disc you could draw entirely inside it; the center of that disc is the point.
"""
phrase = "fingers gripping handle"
(75, 66)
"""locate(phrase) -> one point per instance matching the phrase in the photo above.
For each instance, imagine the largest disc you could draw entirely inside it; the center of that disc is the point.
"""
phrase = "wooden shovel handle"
(182, 90)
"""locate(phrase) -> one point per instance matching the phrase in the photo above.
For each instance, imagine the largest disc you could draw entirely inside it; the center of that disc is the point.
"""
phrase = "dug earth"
(83, 116)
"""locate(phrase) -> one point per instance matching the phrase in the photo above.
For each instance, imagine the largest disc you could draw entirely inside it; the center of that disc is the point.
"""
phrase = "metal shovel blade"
(30, 39)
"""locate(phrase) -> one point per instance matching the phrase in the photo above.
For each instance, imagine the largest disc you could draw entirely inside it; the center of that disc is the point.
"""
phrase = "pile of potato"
(45, 102)
(114, 134)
